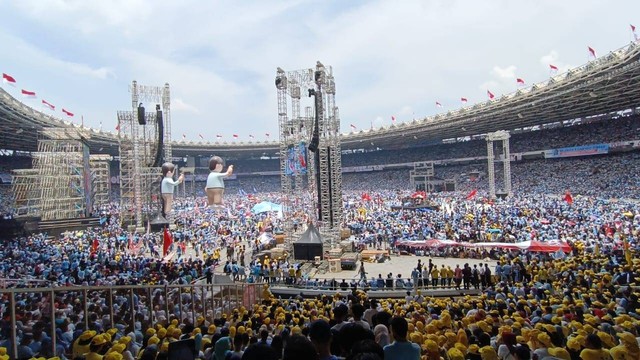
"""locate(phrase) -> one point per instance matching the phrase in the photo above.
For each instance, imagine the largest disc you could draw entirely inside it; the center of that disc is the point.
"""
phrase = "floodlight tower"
(502, 136)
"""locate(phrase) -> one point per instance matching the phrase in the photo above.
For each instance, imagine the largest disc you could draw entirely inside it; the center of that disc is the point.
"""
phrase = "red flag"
(8, 79)
(353, 126)
(201, 137)
(592, 52)
(67, 112)
(472, 194)
(633, 28)
(464, 100)
(48, 104)
(267, 134)
(235, 136)
(633, 31)
(520, 81)
(438, 104)
(553, 67)
(118, 127)
(29, 94)
(393, 118)
(168, 240)
(94, 246)
(568, 198)
(219, 136)
(490, 95)
(366, 197)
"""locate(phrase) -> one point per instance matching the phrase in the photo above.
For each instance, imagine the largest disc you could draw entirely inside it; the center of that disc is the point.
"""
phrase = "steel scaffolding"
(422, 176)
(505, 158)
(100, 179)
(138, 144)
(327, 193)
(26, 192)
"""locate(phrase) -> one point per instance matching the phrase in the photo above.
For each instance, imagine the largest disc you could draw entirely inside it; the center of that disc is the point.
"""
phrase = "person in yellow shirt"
(449, 276)
(435, 274)
(594, 350)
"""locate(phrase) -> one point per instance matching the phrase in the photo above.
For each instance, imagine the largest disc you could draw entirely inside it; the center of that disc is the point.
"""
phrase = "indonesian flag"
(184, 136)
(393, 118)
(118, 126)
(592, 51)
(553, 67)
(235, 136)
(520, 81)
(47, 104)
(250, 136)
(568, 198)
(29, 94)
(633, 31)
(219, 136)
(464, 100)
(8, 79)
(353, 126)
(67, 112)
(472, 194)
(438, 104)
(168, 240)
(201, 137)
(267, 134)
(490, 95)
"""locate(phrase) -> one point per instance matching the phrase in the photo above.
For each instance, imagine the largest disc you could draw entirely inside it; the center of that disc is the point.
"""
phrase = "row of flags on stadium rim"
(10, 80)
(218, 136)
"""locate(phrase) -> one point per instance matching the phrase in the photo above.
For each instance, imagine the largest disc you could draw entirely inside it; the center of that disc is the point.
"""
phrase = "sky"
(389, 58)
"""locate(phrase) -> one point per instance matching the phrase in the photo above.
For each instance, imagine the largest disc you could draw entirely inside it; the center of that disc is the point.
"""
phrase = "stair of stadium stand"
(57, 227)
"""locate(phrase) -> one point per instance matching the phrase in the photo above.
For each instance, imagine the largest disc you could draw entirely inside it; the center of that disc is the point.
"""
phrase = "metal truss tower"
(505, 157)
(327, 192)
(100, 179)
(138, 144)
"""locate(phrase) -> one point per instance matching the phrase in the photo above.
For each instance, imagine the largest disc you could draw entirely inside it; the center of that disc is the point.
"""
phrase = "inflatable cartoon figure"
(168, 186)
(215, 181)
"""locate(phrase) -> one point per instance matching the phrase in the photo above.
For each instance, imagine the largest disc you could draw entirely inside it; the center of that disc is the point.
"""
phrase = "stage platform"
(291, 291)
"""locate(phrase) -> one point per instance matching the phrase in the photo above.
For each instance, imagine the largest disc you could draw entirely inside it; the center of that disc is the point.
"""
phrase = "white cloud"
(179, 105)
(504, 73)
(550, 58)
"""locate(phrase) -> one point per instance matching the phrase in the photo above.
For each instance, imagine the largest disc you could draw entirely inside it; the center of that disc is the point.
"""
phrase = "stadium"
(502, 229)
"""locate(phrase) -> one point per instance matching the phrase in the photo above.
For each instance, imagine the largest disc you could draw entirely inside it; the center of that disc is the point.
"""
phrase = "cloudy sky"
(389, 58)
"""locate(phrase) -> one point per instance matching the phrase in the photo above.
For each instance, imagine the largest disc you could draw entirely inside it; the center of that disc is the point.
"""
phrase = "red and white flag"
(250, 136)
(464, 100)
(118, 126)
(8, 79)
(472, 194)
(592, 51)
(48, 105)
(393, 118)
(29, 94)
(235, 136)
(520, 81)
(353, 126)
(490, 95)
(438, 104)
(267, 134)
(219, 136)
(568, 198)
(201, 137)
(184, 136)
(633, 31)
(553, 67)
(67, 112)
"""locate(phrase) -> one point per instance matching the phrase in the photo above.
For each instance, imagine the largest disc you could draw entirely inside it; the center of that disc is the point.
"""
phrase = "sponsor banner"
(585, 150)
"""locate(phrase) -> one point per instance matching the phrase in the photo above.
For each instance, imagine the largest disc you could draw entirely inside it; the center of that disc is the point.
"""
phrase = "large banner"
(585, 150)
(296, 159)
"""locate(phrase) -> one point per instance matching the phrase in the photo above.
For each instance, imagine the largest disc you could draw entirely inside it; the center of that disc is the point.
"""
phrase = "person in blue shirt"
(401, 348)
(168, 185)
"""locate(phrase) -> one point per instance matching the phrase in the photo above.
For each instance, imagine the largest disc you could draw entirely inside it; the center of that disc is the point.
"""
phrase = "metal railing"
(156, 303)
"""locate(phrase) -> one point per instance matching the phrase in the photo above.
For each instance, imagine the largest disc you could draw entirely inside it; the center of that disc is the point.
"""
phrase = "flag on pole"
(393, 118)
(592, 51)
(201, 137)
(250, 136)
(48, 105)
(520, 81)
(633, 31)
(167, 241)
(118, 126)
(464, 100)
(218, 136)
(553, 68)
(472, 194)
(8, 79)
(67, 112)
(568, 198)
(353, 126)
(438, 104)
(267, 134)
(28, 94)
(490, 95)
(184, 136)
(235, 136)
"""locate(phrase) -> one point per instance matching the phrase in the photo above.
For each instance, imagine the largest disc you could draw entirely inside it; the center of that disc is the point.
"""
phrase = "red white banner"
(464, 100)
(490, 95)
(48, 105)
(8, 79)
(29, 94)
(67, 112)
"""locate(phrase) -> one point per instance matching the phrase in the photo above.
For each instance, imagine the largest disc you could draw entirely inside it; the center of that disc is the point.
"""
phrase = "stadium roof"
(608, 84)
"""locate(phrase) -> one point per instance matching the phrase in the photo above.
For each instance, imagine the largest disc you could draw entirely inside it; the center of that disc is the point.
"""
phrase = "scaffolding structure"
(100, 179)
(295, 133)
(59, 184)
(421, 176)
(137, 148)
(504, 157)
